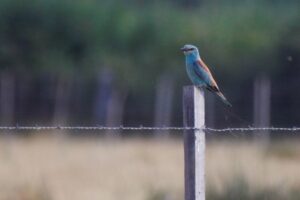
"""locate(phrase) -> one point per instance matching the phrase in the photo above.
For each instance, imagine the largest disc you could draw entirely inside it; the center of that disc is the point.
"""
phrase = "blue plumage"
(199, 73)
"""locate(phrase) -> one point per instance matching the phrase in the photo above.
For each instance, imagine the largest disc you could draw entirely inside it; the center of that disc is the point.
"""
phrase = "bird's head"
(189, 49)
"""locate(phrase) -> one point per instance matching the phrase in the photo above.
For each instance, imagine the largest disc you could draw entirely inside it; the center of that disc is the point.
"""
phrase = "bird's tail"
(223, 98)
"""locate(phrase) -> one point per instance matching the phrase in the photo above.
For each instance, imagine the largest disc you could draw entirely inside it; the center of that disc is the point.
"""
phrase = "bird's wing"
(204, 73)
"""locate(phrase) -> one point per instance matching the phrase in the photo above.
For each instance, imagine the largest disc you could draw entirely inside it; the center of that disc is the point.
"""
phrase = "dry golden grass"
(91, 169)
(275, 167)
(62, 168)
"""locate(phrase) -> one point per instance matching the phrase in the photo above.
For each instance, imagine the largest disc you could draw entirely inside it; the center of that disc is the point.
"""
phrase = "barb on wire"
(143, 128)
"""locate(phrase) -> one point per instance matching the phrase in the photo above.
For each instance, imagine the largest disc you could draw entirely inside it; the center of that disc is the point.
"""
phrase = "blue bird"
(199, 73)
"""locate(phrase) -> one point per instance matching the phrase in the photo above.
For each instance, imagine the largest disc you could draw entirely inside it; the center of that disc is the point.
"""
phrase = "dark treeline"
(111, 63)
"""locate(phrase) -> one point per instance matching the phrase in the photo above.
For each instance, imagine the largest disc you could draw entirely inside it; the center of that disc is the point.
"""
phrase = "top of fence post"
(194, 143)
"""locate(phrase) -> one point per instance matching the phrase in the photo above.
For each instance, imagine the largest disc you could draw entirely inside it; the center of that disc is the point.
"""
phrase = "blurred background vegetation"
(113, 62)
(118, 62)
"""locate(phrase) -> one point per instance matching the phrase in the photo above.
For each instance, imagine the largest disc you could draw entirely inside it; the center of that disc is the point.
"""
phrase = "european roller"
(199, 73)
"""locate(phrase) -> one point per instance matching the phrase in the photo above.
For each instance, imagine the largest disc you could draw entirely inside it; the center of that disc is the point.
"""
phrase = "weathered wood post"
(194, 143)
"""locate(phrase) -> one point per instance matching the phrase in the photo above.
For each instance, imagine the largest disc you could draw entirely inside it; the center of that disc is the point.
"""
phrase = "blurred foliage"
(45, 35)
(240, 38)
(139, 42)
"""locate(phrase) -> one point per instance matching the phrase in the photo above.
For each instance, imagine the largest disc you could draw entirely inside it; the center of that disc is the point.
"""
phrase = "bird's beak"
(183, 49)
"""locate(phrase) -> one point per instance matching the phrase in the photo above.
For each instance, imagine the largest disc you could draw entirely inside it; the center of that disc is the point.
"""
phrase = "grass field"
(64, 168)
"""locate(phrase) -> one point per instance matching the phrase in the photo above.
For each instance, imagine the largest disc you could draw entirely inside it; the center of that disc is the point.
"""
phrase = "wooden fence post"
(194, 143)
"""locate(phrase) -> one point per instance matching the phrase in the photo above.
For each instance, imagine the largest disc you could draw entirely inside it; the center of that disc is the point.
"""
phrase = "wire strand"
(145, 128)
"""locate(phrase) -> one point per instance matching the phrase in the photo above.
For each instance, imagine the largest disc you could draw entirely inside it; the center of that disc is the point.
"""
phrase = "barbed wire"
(144, 128)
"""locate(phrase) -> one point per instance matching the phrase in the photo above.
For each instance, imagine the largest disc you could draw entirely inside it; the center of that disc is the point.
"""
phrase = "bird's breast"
(196, 80)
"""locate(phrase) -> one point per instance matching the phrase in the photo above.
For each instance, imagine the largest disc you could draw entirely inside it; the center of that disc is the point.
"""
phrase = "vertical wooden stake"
(194, 143)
